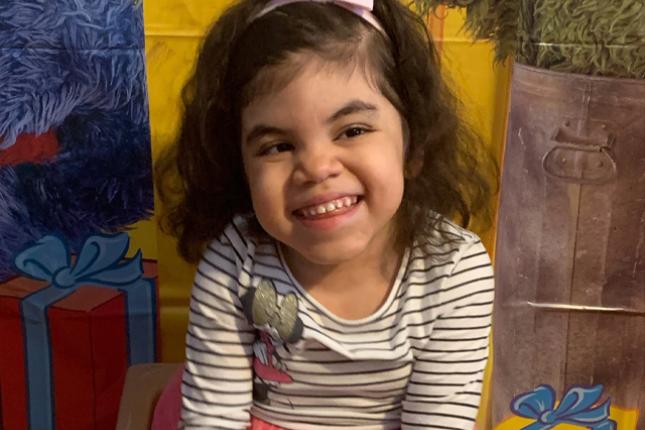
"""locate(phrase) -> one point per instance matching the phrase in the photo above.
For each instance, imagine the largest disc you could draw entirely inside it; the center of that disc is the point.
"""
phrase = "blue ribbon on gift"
(576, 408)
(100, 262)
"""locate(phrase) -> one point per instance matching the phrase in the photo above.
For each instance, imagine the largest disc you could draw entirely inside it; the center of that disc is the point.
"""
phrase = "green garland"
(591, 37)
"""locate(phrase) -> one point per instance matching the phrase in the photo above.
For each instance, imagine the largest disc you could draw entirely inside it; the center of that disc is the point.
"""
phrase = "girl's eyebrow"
(353, 106)
(259, 131)
(349, 108)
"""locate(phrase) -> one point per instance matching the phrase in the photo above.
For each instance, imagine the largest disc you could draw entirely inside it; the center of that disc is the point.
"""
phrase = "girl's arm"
(446, 382)
(217, 382)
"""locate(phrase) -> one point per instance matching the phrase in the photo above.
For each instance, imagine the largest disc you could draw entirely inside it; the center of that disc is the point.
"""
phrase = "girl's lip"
(331, 220)
(323, 198)
(330, 208)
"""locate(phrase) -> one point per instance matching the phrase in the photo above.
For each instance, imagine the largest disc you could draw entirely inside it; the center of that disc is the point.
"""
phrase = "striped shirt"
(259, 344)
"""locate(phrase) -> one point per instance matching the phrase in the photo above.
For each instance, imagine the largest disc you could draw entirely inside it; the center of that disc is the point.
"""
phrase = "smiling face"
(324, 163)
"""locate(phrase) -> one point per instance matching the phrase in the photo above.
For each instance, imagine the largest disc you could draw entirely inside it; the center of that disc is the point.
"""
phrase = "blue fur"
(76, 66)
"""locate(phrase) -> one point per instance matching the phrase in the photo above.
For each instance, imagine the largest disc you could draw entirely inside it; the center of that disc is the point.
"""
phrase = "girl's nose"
(315, 165)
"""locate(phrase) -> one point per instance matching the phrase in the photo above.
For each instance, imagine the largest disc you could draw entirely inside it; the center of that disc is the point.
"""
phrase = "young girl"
(322, 159)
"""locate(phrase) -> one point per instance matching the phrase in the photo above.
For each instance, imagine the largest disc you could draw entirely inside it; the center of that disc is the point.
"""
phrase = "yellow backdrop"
(174, 29)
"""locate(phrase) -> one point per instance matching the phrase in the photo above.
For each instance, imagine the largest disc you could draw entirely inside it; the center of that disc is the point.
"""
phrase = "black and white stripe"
(417, 363)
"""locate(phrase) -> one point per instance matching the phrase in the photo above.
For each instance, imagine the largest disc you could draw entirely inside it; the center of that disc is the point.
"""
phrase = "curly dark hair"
(201, 178)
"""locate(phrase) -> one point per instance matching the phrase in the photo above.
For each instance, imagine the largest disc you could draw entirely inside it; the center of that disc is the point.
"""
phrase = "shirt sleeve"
(445, 386)
(217, 381)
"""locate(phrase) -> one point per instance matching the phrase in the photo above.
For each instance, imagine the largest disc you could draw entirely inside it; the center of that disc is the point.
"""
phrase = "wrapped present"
(581, 407)
(70, 328)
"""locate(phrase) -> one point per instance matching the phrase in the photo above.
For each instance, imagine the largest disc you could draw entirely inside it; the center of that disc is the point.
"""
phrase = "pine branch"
(494, 20)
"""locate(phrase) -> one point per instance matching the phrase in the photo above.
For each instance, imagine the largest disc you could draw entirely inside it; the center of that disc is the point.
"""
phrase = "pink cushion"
(167, 412)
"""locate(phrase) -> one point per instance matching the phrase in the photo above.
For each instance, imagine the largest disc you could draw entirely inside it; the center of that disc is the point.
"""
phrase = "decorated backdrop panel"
(78, 293)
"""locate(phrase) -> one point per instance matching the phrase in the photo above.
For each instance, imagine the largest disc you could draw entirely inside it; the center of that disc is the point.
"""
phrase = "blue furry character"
(74, 135)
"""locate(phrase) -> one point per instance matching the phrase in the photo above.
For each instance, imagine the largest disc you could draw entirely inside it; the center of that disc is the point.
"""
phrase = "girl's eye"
(276, 148)
(354, 131)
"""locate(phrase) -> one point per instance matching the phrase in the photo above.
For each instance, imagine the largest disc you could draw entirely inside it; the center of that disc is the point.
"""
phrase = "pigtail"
(200, 177)
(450, 169)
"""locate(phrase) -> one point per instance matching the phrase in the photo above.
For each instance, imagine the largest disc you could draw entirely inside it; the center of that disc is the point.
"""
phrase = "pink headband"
(362, 8)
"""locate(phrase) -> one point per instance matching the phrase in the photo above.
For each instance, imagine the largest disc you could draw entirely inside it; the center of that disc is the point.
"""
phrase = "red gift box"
(88, 348)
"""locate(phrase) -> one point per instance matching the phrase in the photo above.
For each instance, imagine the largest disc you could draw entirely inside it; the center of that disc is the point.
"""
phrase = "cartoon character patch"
(276, 318)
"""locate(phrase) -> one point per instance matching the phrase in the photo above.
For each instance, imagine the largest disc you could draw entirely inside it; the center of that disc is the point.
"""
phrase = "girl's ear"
(413, 156)
(414, 164)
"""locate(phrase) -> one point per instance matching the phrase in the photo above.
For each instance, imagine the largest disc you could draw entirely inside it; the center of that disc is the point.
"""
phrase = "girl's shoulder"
(449, 227)
(447, 232)
(234, 258)
(237, 242)
(446, 245)
(449, 267)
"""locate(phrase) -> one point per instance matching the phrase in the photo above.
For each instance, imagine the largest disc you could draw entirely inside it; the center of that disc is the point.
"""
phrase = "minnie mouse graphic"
(278, 324)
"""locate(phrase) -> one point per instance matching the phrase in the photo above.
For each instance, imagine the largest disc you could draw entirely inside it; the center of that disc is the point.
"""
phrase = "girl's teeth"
(330, 206)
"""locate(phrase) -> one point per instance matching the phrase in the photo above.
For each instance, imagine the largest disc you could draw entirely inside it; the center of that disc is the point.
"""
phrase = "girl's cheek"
(267, 185)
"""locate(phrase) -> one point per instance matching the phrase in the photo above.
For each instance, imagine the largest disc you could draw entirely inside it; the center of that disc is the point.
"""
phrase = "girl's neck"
(352, 289)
